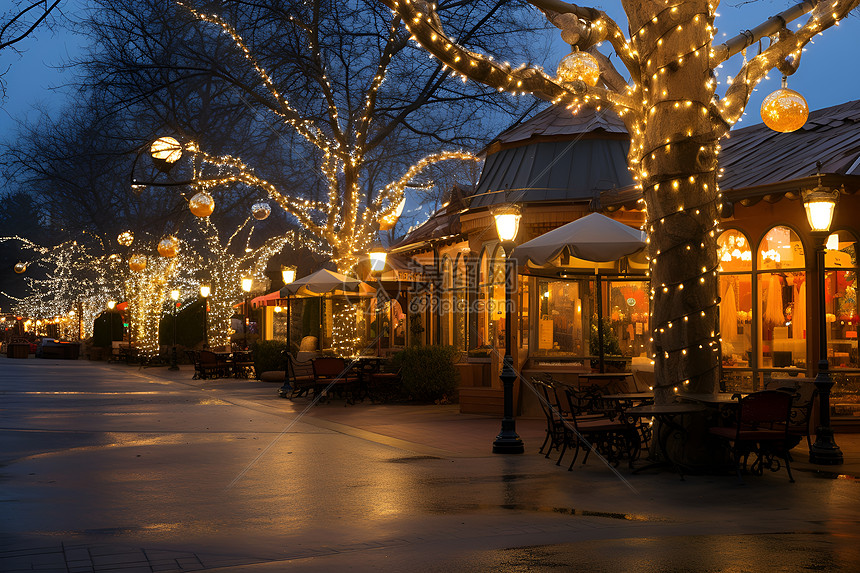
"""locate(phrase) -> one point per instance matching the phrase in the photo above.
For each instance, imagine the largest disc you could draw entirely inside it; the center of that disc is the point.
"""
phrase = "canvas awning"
(595, 238)
(323, 282)
(271, 299)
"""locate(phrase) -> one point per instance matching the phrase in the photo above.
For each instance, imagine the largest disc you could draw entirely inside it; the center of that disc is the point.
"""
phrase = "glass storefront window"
(496, 309)
(782, 300)
(841, 302)
(735, 254)
(628, 316)
(563, 314)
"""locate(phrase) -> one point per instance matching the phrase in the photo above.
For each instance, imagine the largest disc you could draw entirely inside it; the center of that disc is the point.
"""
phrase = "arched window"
(781, 309)
(446, 302)
(736, 317)
(840, 260)
(461, 303)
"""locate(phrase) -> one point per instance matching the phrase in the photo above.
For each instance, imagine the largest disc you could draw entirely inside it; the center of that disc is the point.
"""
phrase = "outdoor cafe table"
(666, 415)
(629, 399)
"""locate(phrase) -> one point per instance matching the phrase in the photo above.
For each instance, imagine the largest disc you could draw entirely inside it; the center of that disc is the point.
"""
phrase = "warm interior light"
(288, 274)
(820, 204)
(247, 284)
(205, 290)
(174, 294)
(507, 222)
(278, 309)
(166, 149)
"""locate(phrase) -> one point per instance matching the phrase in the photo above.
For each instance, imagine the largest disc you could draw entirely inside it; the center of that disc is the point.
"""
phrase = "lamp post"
(111, 304)
(288, 273)
(205, 291)
(820, 203)
(507, 224)
(174, 296)
(247, 284)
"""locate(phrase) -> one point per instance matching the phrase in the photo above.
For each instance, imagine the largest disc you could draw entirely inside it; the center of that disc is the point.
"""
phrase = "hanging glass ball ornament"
(126, 238)
(137, 262)
(784, 110)
(168, 247)
(20, 267)
(202, 204)
(579, 66)
(261, 210)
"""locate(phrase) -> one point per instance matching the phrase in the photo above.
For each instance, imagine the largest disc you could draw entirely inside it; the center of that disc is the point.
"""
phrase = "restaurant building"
(560, 166)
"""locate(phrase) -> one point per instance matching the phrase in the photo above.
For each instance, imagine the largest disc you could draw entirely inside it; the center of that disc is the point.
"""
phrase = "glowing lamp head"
(378, 256)
(201, 204)
(111, 304)
(247, 284)
(784, 110)
(579, 66)
(820, 204)
(137, 262)
(174, 295)
(20, 267)
(288, 274)
(205, 291)
(168, 247)
(126, 238)
(278, 309)
(165, 151)
(261, 210)
(507, 222)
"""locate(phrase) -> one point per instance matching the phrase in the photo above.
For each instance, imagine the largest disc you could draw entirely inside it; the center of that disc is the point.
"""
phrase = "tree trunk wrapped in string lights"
(675, 120)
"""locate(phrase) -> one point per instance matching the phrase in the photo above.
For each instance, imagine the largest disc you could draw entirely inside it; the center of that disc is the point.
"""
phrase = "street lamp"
(820, 204)
(205, 291)
(247, 284)
(111, 304)
(507, 224)
(288, 273)
(174, 296)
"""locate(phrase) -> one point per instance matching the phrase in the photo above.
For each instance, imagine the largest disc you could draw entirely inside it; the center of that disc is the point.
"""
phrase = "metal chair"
(762, 429)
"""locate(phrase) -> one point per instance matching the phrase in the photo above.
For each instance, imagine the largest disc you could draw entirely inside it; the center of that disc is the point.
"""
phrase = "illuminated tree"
(222, 264)
(348, 217)
(675, 120)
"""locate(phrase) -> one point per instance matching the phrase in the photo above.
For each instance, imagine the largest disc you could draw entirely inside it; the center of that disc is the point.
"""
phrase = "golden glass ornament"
(202, 204)
(126, 238)
(261, 210)
(784, 110)
(20, 267)
(168, 247)
(579, 66)
(137, 262)
(166, 149)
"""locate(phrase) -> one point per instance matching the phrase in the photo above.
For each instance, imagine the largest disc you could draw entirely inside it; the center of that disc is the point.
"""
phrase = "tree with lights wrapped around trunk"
(675, 120)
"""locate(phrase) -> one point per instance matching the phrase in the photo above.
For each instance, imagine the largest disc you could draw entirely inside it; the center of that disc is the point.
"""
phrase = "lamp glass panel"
(819, 212)
(507, 225)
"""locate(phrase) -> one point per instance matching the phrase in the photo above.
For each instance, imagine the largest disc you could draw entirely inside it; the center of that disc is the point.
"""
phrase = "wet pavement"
(108, 467)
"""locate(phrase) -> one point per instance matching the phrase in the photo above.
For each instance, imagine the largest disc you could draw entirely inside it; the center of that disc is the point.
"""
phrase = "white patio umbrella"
(324, 282)
(594, 237)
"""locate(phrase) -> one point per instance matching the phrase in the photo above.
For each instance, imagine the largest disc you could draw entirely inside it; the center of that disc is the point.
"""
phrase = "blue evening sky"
(826, 76)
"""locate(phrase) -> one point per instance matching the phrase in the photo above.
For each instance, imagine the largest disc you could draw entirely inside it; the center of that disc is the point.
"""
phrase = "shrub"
(268, 356)
(427, 373)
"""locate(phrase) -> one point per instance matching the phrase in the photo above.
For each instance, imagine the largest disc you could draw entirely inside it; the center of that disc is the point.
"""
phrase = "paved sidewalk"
(443, 430)
(125, 469)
